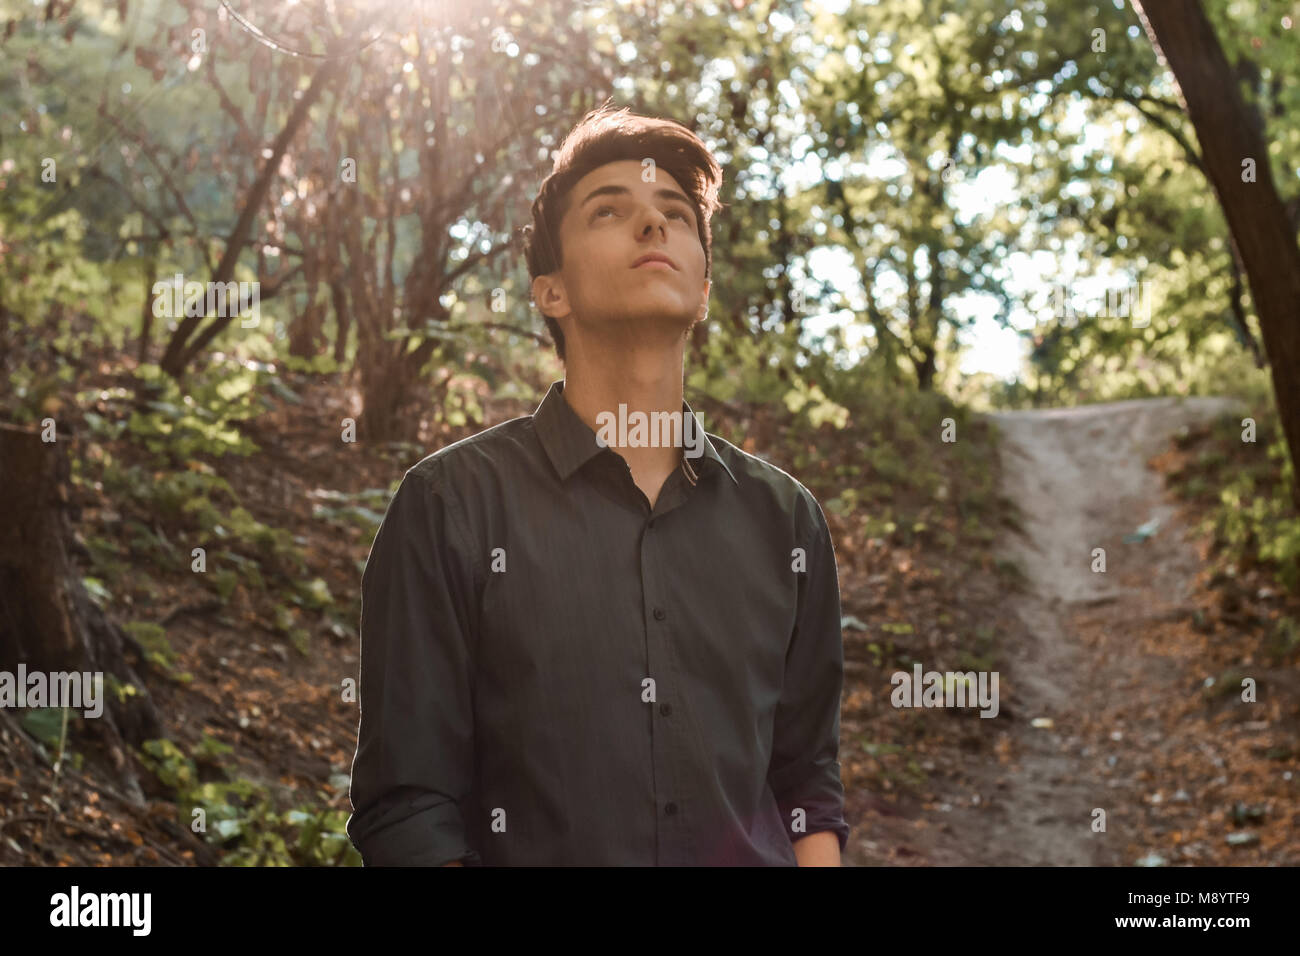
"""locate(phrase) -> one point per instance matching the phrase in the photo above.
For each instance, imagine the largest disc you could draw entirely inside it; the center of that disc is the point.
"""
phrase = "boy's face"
(614, 218)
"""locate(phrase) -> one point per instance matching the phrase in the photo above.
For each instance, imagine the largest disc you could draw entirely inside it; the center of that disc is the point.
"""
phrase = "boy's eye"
(673, 212)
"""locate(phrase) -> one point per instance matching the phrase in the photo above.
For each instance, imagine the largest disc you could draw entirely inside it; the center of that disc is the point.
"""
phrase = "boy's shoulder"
(754, 471)
(468, 456)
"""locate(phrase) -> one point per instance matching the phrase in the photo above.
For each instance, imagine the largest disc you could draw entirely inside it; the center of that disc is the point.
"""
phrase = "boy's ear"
(549, 296)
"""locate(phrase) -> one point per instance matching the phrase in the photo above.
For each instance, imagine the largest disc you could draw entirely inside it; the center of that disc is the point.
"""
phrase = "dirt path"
(1080, 479)
(1079, 475)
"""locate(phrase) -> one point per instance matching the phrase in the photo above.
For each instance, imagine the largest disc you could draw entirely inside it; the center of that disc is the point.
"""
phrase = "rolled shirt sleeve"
(414, 760)
(805, 770)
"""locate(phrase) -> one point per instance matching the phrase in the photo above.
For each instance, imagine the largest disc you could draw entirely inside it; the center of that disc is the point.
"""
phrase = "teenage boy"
(585, 641)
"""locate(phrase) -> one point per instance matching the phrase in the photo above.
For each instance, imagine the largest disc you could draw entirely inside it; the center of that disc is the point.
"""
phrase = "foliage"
(1256, 520)
(1248, 485)
(241, 818)
(857, 148)
(176, 486)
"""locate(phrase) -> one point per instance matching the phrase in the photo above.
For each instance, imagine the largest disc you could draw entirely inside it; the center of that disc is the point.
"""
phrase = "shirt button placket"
(670, 808)
(663, 743)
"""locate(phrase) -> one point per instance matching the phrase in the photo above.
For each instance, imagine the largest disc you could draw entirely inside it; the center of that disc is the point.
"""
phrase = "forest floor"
(1104, 703)
(1122, 736)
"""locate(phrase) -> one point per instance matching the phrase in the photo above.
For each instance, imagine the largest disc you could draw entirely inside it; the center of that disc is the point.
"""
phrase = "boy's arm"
(818, 849)
(414, 758)
(805, 772)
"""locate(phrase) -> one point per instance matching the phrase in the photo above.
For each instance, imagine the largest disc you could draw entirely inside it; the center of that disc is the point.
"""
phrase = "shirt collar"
(570, 443)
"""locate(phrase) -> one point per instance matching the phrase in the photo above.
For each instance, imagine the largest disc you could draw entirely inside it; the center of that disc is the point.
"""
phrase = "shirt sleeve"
(414, 760)
(805, 770)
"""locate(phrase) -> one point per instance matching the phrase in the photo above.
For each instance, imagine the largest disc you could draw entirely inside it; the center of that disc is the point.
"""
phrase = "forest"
(1012, 288)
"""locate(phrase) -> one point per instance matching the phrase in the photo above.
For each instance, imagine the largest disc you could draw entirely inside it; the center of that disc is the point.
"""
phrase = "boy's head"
(608, 202)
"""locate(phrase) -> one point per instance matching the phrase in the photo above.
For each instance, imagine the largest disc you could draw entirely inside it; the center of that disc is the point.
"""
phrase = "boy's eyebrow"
(671, 194)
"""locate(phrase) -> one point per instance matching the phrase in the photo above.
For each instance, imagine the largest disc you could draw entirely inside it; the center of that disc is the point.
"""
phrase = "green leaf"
(316, 594)
(45, 724)
(227, 828)
(98, 593)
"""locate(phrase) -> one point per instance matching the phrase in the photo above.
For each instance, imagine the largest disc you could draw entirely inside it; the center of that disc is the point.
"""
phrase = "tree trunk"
(384, 400)
(305, 331)
(1230, 133)
(925, 370)
(47, 619)
(342, 321)
(146, 312)
(189, 340)
(389, 412)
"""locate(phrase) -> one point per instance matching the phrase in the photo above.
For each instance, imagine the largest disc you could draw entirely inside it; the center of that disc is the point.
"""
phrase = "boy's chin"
(671, 324)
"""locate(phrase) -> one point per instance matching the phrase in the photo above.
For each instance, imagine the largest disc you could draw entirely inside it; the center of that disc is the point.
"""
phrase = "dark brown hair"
(606, 135)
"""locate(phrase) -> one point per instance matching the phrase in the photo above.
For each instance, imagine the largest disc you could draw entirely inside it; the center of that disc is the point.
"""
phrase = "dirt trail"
(1079, 477)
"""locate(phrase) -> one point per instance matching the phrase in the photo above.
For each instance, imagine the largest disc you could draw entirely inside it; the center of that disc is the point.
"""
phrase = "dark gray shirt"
(555, 673)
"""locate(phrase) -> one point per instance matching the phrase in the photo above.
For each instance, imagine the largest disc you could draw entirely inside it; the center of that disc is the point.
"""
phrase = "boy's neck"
(643, 380)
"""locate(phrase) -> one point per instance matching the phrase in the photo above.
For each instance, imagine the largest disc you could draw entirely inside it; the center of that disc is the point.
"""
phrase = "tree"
(47, 619)
(448, 124)
(1236, 161)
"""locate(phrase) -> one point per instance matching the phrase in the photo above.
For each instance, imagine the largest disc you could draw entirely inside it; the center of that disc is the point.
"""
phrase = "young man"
(588, 642)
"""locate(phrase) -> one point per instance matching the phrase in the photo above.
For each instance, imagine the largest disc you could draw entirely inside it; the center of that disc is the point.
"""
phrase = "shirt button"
(659, 614)
(670, 809)
(665, 709)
